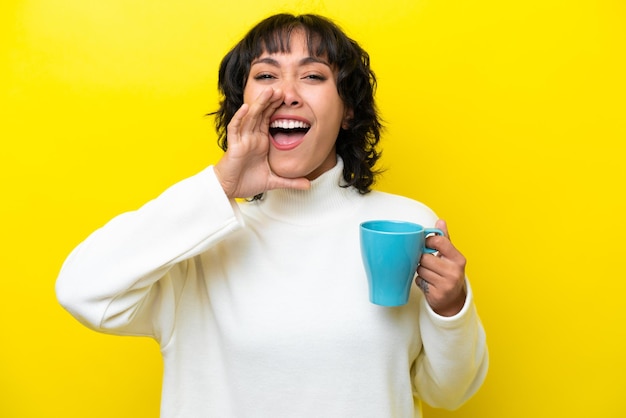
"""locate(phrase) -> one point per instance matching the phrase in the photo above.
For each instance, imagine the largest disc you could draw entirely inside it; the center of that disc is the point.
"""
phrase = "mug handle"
(431, 231)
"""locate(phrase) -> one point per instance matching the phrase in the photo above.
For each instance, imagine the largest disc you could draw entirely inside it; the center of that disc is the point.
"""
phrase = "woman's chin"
(294, 166)
(286, 170)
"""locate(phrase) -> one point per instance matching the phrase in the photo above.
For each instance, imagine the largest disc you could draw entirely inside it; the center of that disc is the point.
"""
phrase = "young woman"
(260, 306)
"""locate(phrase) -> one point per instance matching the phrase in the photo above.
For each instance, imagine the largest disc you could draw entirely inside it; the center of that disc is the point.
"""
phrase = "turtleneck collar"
(326, 199)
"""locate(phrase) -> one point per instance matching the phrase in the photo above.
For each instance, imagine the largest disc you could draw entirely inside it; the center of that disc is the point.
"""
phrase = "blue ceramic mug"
(391, 251)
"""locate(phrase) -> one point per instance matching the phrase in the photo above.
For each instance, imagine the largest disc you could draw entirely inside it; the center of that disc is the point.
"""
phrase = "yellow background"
(506, 117)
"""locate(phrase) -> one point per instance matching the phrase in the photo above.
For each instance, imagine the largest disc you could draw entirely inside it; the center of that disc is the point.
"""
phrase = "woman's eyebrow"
(314, 60)
(304, 61)
(265, 60)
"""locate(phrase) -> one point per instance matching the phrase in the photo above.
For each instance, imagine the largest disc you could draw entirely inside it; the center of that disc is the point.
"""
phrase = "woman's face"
(303, 130)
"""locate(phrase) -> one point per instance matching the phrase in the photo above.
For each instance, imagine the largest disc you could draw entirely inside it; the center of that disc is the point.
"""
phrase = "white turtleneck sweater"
(261, 309)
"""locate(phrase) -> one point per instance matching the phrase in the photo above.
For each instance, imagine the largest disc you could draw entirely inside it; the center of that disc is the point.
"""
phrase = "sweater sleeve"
(129, 272)
(454, 359)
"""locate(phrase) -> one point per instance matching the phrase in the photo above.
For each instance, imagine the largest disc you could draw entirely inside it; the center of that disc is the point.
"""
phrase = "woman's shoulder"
(380, 197)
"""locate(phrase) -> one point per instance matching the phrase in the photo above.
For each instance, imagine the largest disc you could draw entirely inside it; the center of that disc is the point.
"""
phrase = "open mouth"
(288, 133)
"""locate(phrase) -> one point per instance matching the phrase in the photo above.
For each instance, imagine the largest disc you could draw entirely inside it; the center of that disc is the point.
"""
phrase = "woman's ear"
(347, 119)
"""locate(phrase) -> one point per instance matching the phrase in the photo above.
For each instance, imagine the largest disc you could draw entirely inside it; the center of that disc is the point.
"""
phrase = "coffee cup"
(391, 251)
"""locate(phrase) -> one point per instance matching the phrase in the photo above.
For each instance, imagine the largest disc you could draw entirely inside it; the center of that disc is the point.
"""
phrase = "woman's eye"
(318, 77)
(263, 76)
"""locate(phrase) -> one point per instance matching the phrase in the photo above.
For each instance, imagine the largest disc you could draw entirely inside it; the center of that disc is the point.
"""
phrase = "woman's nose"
(292, 97)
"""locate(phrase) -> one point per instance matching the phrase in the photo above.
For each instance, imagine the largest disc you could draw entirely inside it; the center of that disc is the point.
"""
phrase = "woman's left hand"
(441, 276)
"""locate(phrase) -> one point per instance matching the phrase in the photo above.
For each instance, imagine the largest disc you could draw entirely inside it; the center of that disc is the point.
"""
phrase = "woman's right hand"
(244, 170)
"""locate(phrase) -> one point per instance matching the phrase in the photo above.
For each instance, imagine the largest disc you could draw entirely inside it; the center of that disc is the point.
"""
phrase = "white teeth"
(289, 124)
